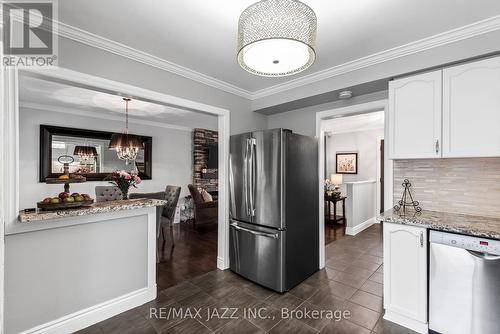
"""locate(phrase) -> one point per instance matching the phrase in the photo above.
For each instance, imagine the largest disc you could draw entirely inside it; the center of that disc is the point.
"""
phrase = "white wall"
(365, 143)
(172, 155)
(361, 207)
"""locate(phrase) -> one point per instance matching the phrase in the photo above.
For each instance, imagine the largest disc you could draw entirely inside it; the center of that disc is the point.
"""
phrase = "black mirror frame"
(46, 133)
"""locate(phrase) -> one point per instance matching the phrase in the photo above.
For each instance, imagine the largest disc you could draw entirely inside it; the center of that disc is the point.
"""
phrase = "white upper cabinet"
(405, 272)
(415, 116)
(471, 109)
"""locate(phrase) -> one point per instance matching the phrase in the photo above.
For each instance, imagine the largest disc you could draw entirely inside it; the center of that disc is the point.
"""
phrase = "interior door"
(267, 178)
(238, 177)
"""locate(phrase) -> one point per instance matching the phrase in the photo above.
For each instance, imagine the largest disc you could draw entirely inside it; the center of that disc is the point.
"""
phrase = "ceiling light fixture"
(127, 146)
(277, 38)
(345, 94)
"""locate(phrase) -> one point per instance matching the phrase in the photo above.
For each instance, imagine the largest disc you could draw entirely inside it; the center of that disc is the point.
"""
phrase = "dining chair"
(107, 193)
(165, 214)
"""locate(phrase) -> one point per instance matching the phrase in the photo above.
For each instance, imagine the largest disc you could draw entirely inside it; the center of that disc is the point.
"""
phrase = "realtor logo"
(29, 38)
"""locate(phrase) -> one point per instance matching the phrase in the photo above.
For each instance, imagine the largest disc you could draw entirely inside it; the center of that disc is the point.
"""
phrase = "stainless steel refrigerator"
(274, 230)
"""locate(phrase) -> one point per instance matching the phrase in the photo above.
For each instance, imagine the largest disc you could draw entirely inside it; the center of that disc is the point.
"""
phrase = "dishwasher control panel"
(478, 244)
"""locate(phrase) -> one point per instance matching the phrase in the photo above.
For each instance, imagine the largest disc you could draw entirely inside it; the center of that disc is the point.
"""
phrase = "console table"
(333, 200)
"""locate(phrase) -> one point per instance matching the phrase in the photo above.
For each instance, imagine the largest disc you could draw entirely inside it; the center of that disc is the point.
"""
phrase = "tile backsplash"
(469, 186)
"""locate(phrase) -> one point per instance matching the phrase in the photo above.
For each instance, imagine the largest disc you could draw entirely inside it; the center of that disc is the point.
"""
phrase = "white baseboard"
(412, 324)
(220, 264)
(360, 227)
(92, 315)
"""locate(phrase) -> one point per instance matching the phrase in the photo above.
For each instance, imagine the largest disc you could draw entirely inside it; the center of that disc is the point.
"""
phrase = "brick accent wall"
(202, 138)
(468, 186)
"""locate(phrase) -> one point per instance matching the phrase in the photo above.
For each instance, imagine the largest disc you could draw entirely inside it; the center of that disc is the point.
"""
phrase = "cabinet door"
(471, 109)
(405, 271)
(415, 116)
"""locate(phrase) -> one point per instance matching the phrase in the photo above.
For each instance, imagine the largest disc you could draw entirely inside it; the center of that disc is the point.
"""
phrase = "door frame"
(356, 109)
(379, 175)
(10, 138)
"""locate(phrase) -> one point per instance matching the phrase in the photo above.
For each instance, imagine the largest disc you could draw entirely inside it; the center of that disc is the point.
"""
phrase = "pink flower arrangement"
(124, 180)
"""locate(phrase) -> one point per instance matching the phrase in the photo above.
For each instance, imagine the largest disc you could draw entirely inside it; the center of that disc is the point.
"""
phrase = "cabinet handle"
(437, 146)
(421, 239)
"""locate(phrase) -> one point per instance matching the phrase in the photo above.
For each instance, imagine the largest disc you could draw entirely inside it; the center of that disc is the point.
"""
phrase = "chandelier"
(127, 146)
(87, 154)
(277, 38)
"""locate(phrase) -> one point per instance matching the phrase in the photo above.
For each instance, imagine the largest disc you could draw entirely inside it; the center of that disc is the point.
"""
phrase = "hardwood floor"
(194, 254)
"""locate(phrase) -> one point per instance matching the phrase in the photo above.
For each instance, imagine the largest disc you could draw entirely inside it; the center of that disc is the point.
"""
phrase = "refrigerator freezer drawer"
(256, 254)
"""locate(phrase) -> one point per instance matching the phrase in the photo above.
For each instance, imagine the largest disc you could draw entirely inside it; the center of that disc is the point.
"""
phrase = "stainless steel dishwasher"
(464, 293)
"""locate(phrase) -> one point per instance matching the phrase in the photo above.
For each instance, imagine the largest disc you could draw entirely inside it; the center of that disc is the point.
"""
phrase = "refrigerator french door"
(256, 172)
(274, 205)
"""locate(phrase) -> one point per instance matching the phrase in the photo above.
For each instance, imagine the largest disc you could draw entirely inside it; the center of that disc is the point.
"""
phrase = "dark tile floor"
(351, 281)
(334, 232)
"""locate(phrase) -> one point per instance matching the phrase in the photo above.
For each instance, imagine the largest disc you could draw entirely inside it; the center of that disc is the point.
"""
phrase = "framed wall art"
(347, 163)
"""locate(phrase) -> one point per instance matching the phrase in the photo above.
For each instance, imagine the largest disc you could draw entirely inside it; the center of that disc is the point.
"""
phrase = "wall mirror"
(91, 153)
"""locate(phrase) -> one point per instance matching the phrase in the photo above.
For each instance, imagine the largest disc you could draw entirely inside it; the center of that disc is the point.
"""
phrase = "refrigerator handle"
(253, 144)
(245, 177)
(263, 234)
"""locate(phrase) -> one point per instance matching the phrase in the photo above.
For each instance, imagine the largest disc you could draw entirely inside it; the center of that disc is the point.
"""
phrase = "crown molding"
(98, 115)
(454, 35)
(465, 32)
(90, 39)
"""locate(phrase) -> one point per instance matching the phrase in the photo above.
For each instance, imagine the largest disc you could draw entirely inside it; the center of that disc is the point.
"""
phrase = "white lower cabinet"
(405, 276)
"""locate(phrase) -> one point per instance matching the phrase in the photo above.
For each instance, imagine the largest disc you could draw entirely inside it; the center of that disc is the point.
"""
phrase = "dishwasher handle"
(484, 256)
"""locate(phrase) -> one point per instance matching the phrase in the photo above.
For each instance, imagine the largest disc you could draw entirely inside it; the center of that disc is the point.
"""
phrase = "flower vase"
(125, 194)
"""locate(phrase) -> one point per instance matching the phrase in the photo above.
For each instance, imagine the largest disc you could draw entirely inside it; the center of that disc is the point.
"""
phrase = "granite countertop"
(95, 208)
(486, 227)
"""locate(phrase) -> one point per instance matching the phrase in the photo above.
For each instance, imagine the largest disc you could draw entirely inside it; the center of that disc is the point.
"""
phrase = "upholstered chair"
(172, 194)
(204, 212)
(166, 213)
(107, 193)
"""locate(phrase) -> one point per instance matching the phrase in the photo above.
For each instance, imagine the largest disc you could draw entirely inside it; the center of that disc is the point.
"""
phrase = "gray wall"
(365, 143)
(82, 58)
(172, 155)
(52, 273)
(303, 121)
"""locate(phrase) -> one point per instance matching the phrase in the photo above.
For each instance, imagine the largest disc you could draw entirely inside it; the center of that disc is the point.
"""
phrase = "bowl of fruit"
(65, 201)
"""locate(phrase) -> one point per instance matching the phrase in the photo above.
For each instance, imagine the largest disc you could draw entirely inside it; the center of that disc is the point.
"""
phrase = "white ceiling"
(363, 122)
(47, 95)
(201, 35)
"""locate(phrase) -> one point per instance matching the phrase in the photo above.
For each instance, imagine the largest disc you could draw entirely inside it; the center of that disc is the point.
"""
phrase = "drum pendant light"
(277, 38)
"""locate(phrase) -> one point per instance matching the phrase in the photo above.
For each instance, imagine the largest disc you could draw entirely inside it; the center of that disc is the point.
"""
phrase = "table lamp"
(336, 179)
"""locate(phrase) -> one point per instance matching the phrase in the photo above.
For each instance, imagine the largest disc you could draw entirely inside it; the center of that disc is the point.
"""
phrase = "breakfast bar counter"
(100, 207)
(79, 266)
